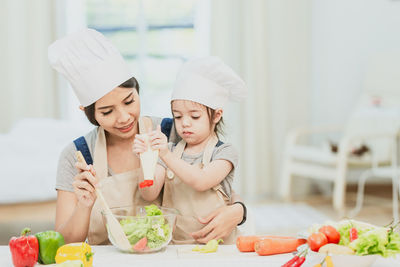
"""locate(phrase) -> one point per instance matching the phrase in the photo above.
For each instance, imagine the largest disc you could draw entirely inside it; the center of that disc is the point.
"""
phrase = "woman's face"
(118, 112)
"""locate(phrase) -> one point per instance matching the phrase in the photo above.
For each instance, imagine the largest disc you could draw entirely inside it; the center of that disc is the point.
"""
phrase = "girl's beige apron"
(119, 190)
(190, 203)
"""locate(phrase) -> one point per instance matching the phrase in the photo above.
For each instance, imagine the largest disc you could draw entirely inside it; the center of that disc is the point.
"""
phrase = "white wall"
(268, 44)
(345, 35)
(27, 82)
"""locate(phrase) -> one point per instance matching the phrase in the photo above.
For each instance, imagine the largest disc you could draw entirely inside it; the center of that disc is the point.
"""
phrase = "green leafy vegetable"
(344, 230)
(152, 210)
(371, 242)
(371, 239)
(210, 247)
(155, 229)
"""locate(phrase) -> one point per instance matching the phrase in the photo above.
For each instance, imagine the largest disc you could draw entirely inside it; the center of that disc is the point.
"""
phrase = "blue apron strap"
(82, 146)
(166, 126)
(219, 143)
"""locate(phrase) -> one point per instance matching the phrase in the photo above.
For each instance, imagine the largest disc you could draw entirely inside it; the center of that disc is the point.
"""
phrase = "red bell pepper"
(24, 249)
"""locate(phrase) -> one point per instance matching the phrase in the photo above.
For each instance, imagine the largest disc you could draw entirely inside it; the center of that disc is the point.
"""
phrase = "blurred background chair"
(392, 172)
(376, 113)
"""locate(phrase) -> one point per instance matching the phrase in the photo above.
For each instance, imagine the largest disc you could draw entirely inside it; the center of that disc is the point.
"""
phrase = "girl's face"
(118, 112)
(191, 121)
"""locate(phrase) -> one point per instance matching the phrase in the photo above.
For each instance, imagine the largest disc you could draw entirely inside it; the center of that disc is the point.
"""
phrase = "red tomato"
(331, 233)
(141, 245)
(353, 234)
(317, 240)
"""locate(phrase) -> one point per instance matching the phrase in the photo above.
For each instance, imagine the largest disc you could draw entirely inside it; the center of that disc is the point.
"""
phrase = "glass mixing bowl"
(145, 233)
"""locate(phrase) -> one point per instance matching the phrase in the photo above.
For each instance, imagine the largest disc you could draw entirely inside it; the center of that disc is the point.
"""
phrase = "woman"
(109, 96)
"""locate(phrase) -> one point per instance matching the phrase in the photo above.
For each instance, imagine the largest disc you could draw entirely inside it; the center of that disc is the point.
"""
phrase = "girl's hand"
(84, 184)
(159, 141)
(139, 144)
(219, 223)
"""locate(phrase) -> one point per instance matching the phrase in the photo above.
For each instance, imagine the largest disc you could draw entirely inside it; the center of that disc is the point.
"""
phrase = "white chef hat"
(89, 61)
(208, 81)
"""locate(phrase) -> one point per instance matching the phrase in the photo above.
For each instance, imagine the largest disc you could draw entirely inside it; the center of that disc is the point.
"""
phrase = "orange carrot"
(246, 243)
(271, 246)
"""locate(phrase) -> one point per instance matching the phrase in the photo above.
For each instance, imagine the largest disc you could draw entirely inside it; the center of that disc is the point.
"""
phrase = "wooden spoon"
(114, 227)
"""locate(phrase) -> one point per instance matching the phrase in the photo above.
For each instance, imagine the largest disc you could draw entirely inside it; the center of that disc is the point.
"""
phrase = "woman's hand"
(84, 184)
(220, 223)
(158, 141)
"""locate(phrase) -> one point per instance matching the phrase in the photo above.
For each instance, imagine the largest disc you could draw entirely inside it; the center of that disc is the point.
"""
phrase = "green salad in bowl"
(147, 228)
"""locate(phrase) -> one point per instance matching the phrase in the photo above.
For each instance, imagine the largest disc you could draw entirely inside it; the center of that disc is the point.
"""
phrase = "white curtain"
(268, 43)
(28, 85)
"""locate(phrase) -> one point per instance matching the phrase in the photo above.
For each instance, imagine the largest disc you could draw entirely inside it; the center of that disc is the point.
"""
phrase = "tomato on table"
(317, 240)
(331, 233)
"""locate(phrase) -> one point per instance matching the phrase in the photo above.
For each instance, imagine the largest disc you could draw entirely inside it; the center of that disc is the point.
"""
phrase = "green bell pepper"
(49, 242)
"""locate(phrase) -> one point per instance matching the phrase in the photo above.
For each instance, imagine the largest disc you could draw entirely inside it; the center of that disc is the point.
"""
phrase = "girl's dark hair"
(211, 114)
(218, 130)
(89, 110)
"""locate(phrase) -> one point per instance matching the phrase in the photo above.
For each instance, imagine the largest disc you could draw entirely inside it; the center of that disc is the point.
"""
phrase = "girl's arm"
(197, 178)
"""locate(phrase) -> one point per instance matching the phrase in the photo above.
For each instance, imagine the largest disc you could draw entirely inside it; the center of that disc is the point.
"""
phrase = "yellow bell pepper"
(76, 263)
(75, 251)
(329, 262)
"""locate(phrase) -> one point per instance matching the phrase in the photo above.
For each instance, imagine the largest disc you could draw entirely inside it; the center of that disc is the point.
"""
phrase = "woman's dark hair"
(89, 110)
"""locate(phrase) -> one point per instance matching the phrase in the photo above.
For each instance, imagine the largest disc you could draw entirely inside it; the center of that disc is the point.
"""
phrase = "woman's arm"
(235, 197)
(73, 209)
(219, 223)
(72, 218)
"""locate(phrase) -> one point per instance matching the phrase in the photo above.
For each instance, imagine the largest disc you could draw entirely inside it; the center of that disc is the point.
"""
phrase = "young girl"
(197, 172)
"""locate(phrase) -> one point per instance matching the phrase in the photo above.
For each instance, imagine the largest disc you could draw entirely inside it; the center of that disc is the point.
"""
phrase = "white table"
(173, 255)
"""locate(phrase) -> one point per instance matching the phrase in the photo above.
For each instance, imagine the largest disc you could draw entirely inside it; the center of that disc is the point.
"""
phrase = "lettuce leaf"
(344, 229)
(371, 242)
(152, 210)
(155, 229)
(393, 247)
(379, 240)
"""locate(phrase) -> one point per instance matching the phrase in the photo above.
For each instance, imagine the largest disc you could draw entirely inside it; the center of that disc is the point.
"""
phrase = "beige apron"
(119, 190)
(190, 203)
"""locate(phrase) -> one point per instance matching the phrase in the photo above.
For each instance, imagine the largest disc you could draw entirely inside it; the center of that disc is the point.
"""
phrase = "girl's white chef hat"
(89, 61)
(208, 81)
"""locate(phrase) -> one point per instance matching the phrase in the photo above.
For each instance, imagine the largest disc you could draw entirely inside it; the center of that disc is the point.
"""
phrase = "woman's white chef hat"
(208, 81)
(89, 61)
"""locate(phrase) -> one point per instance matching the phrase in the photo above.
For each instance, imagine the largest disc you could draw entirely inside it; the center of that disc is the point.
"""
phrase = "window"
(155, 38)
